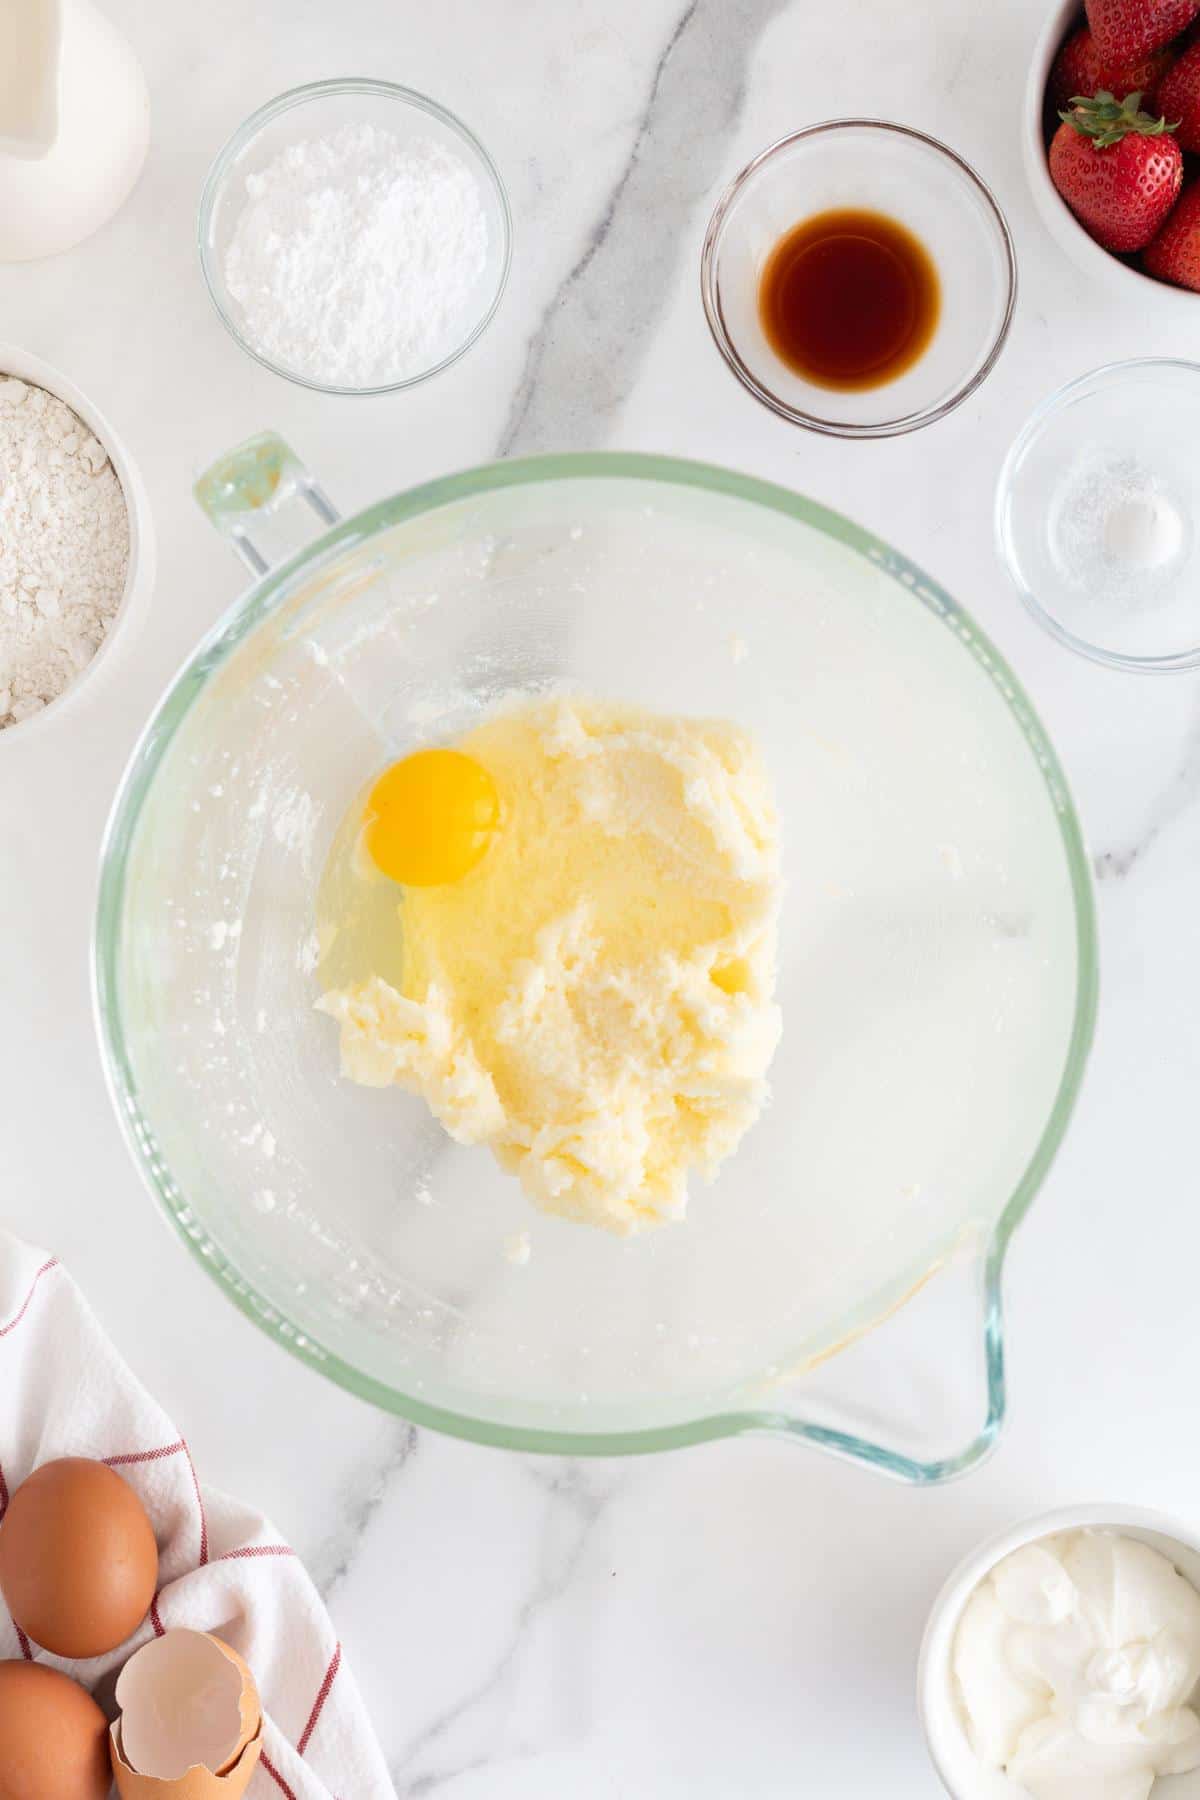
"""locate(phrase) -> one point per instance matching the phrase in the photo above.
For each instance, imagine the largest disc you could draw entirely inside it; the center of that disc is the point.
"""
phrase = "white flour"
(64, 548)
(356, 257)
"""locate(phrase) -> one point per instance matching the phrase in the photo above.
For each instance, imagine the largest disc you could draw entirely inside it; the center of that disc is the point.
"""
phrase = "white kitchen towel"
(64, 1391)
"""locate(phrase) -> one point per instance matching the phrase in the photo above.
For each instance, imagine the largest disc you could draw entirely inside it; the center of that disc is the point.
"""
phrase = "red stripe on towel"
(264, 1762)
(255, 1550)
(200, 1506)
(319, 1702)
(130, 1457)
(145, 1456)
(25, 1304)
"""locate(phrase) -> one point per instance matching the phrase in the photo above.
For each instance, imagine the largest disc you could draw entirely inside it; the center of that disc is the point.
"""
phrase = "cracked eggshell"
(198, 1784)
(191, 1721)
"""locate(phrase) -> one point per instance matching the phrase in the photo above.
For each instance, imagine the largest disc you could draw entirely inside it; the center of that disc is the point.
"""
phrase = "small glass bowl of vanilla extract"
(859, 278)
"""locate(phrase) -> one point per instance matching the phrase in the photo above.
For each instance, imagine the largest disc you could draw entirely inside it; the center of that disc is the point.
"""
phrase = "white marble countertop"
(740, 1619)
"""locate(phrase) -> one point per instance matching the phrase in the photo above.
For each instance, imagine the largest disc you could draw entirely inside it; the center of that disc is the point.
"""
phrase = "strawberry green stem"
(1106, 120)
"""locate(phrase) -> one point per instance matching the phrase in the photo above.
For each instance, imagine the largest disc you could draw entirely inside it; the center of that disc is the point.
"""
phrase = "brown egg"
(53, 1737)
(78, 1560)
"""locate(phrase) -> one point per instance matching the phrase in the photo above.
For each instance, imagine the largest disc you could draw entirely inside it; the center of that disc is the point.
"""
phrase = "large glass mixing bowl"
(937, 965)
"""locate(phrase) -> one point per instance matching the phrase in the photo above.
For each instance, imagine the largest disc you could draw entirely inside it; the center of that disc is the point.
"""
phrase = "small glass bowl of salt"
(355, 237)
(1097, 514)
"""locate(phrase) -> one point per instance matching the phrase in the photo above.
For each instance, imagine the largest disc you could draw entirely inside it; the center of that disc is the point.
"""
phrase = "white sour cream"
(1076, 1662)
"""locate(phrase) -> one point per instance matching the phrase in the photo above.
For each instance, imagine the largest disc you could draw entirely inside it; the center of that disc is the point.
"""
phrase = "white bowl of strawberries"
(1117, 181)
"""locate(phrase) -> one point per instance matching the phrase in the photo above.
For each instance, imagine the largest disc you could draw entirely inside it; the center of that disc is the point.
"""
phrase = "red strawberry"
(1118, 170)
(1079, 68)
(1126, 30)
(1179, 98)
(1174, 255)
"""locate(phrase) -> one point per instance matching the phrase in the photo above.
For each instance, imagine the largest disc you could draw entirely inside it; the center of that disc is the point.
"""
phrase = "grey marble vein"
(580, 1492)
(595, 332)
(1175, 799)
(586, 1488)
(357, 1507)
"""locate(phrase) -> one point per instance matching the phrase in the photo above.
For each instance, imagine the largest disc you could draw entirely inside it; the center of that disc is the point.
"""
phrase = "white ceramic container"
(139, 581)
(74, 125)
(1160, 300)
(961, 1773)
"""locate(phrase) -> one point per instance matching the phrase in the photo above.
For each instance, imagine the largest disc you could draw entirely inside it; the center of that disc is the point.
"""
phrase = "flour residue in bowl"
(594, 999)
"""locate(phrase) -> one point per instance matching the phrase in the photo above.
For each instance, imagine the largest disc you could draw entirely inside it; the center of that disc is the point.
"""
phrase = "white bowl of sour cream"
(1066, 1652)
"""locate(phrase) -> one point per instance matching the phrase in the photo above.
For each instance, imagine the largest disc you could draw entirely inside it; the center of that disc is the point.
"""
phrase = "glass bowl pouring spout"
(841, 1281)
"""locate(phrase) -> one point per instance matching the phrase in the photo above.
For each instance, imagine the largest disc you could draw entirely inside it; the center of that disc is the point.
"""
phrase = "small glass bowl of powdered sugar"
(355, 237)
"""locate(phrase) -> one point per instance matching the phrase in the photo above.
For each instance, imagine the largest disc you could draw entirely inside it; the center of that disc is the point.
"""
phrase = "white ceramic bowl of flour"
(355, 237)
(21, 365)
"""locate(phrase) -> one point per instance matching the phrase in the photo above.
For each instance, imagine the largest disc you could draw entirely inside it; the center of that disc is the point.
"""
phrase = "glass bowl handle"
(259, 497)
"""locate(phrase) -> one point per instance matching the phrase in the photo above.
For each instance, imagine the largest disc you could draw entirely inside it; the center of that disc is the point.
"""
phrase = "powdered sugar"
(357, 257)
(64, 548)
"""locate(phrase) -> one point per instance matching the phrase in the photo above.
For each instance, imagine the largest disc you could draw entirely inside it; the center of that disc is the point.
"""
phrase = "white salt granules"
(64, 548)
(357, 257)
(1117, 530)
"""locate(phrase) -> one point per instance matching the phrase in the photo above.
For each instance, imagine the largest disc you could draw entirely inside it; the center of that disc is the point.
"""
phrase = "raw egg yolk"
(430, 818)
